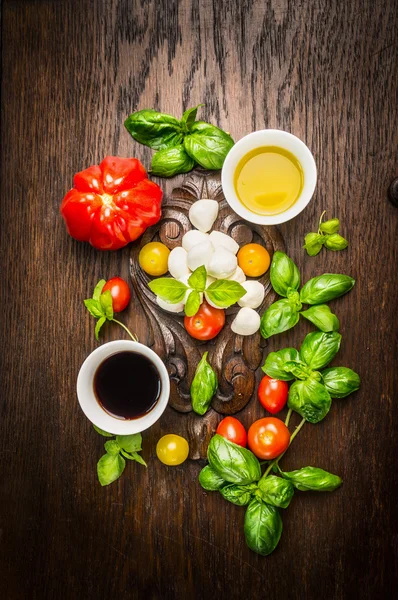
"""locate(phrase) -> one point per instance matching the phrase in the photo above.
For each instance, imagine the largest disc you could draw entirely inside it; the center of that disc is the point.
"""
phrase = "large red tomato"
(268, 438)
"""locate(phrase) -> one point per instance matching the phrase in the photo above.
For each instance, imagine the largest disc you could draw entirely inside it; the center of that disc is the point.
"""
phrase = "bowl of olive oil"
(269, 177)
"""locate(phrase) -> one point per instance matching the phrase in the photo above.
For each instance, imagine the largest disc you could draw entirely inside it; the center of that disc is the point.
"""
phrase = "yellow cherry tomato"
(172, 449)
(254, 260)
(153, 258)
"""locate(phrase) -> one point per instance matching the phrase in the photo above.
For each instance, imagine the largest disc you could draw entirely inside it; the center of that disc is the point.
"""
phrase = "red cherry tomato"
(268, 438)
(120, 293)
(233, 430)
(272, 394)
(207, 323)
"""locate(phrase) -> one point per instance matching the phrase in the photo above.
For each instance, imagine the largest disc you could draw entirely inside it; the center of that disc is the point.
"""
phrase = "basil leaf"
(325, 287)
(340, 381)
(322, 317)
(331, 226)
(314, 479)
(154, 129)
(298, 369)
(168, 289)
(204, 385)
(197, 281)
(189, 116)
(313, 243)
(208, 145)
(98, 326)
(284, 274)
(102, 432)
(224, 293)
(275, 491)
(263, 527)
(107, 305)
(279, 317)
(209, 480)
(310, 399)
(238, 494)
(94, 308)
(335, 242)
(319, 348)
(98, 289)
(275, 361)
(109, 468)
(112, 447)
(135, 456)
(130, 443)
(171, 161)
(232, 462)
(192, 304)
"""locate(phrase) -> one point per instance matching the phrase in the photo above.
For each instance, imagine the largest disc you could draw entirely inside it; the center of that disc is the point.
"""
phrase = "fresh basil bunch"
(285, 314)
(180, 144)
(235, 473)
(112, 464)
(204, 386)
(327, 236)
(312, 392)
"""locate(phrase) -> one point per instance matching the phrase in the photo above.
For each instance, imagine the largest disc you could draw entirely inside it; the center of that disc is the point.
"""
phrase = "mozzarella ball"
(246, 322)
(222, 239)
(222, 263)
(238, 276)
(254, 294)
(203, 213)
(174, 308)
(178, 266)
(199, 255)
(192, 238)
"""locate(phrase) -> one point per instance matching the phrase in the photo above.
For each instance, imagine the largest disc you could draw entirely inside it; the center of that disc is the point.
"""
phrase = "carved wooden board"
(235, 358)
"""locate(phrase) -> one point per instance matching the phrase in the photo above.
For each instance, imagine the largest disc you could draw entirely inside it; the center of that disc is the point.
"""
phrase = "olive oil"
(268, 180)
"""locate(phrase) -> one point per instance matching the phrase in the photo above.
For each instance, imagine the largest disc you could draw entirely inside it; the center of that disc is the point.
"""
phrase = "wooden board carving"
(235, 358)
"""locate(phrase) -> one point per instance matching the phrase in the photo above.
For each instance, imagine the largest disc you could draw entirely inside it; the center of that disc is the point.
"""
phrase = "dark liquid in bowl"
(127, 385)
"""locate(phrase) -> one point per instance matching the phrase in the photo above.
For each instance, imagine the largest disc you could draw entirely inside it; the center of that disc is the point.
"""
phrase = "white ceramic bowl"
(269, 137)
(89, 404)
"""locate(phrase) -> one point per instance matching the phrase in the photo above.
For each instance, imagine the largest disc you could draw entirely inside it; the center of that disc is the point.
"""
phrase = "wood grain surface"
(72, 70)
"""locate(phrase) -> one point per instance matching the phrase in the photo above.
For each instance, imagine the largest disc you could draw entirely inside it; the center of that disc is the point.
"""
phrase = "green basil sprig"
(262, 527)
(313, 479)
(232, 462)
(204, 386)
(285, 314)
(181, 144)
(275, 491)
(112, 464)
(209, 480)
(327, 236)
(311, 395)
(238, 494)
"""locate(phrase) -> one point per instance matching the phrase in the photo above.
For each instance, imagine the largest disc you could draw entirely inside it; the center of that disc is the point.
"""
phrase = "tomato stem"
(320, 221)
(276, 460)
(133, 336)
(289, 414)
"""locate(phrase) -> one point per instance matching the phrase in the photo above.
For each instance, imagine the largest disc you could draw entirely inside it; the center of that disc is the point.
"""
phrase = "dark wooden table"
(71, 72)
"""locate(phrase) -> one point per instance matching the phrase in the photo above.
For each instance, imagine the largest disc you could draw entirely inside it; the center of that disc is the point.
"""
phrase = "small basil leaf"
(204, 385)
(102, 432)
(275, 362)
(335, 242)
(263, 527)
(340, 381)
(279, 317)
(94, 308)
(98, 326)
(112, 447)
(331, 226)
(313, 479)
(130, 443)
(171, 161)
(197, 281)
(224, 293)
(98, 289)
(107, 305)
(189, 116)
(192, 304)
(275, 491)
(168, 289)
(209, 480)
(284, 274)
(154, 129)
(208, 145)
(310, 399)
(319, 348)
(232, 462)
(238, 494)
(109, 468)
(322, 317)
(325, 287)
(138, 458)
(298, 369)
(313, 243)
